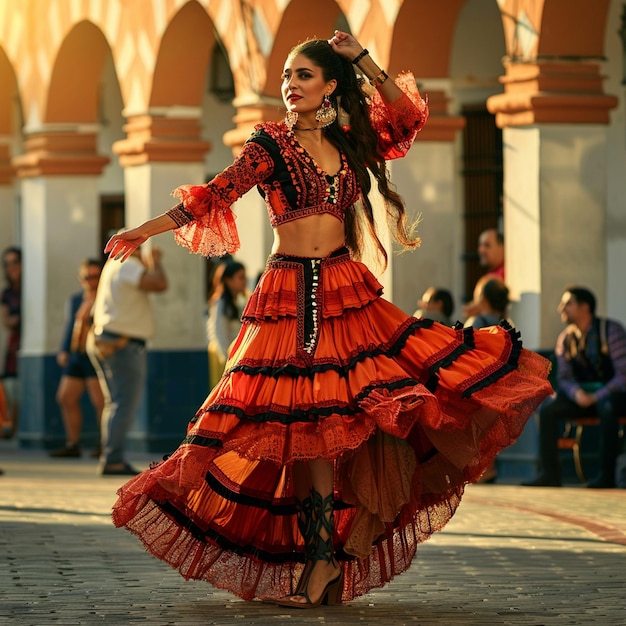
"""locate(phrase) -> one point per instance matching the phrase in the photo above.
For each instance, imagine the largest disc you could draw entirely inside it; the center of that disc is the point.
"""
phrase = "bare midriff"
(312, 236)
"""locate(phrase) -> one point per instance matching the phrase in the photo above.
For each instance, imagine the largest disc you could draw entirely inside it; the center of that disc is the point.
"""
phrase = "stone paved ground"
(511, 555)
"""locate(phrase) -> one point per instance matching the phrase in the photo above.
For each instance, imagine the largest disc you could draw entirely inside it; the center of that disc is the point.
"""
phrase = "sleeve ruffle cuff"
(204, 225)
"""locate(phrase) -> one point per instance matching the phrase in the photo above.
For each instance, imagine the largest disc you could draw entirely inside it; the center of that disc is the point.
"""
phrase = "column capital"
(60, 153)
(155, 138)
(552, 92)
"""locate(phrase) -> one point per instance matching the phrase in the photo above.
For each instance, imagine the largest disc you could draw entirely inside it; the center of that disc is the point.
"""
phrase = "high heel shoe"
(313, 522)
(331, 595)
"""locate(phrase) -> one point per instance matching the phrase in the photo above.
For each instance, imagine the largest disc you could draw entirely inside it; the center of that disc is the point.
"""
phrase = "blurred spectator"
(591, 380)
(436, 304)
(123, 321)
(491, 257)
(10, 310)
(492, 301)
(225, 309)
(78, 372)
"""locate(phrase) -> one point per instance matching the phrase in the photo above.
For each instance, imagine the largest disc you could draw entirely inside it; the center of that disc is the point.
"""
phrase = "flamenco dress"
(409, 410)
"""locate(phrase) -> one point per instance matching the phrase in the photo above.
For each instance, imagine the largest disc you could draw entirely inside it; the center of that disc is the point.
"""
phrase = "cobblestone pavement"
(511, 555)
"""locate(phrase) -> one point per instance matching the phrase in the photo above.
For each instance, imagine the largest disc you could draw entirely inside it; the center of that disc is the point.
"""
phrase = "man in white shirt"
(123, 321)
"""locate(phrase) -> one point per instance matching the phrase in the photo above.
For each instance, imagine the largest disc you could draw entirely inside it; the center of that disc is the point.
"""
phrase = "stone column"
(554, 116)
(160, 153)
(59, 227)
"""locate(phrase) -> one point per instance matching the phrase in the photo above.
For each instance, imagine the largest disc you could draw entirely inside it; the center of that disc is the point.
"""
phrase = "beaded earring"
(326, 114)
(291, 117)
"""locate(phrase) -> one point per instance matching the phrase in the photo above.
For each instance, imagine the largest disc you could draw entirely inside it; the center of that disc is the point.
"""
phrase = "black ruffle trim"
(295, 371)
(259, 503)
(205, 442)
(505, 368)
(311, 414)
(212, 536)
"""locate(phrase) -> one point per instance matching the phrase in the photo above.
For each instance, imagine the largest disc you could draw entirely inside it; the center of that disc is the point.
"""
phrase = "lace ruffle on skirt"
(409, 411)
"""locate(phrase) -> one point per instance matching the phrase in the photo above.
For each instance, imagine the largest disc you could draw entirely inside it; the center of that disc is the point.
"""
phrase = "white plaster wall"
(180, 310)
(217, 118)
(111, 122)
(573, 203)
(255, 234)
(9, 225)
(616, 169)
(475, 62)
(60, 220)
(522, 219)
(426, 179)
(555, 208)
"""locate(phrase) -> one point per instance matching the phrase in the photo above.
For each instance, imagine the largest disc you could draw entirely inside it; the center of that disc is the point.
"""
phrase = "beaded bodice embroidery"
(289, 180)
(298, 187)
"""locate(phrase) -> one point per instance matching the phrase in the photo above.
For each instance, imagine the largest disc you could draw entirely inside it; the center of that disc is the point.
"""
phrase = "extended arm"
(203, 220)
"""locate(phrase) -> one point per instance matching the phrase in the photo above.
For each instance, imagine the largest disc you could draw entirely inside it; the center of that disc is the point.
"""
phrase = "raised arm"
(347, 46)
(397, 111)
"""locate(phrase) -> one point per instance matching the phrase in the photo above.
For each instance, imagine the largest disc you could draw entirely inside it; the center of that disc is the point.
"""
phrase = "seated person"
(492, 301)
(591, 380)
(436, 304)
(491, 297)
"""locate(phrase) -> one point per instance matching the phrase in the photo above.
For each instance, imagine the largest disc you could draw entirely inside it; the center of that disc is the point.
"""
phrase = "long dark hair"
(230, 268)
(360, 146)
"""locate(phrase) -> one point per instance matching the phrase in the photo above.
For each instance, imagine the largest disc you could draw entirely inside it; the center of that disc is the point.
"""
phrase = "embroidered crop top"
(291, 183)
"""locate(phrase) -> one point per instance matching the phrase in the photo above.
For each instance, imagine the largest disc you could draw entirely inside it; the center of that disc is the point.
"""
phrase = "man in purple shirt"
(591, 380)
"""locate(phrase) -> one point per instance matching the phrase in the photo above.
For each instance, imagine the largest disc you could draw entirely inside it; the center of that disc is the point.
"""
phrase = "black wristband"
(363, 53)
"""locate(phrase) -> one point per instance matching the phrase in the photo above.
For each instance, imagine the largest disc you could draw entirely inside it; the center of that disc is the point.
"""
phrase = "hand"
(345, 45)
(584, 399)
(62, 359)
(122, 245)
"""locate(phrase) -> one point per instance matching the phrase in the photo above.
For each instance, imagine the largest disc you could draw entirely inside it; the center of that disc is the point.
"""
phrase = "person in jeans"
(591, 380)
(123, 321)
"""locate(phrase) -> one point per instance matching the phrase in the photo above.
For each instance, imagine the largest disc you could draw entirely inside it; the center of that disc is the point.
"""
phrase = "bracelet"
(379, 80)
(180, 215)
(358, 57)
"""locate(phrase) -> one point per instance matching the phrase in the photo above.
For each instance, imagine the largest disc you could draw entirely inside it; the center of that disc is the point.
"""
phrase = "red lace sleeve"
(397, 123)
(210, 228)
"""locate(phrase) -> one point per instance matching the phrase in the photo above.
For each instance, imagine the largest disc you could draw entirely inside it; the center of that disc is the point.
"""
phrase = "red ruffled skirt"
(409, 410)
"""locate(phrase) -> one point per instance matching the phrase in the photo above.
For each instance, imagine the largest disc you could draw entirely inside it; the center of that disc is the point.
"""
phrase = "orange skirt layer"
(409, 411)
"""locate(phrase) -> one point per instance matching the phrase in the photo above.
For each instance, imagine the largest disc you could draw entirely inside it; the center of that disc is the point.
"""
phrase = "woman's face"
(303, 86)
(237, 282)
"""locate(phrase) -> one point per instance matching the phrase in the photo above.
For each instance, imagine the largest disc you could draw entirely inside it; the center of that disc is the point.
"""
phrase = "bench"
(572, 437)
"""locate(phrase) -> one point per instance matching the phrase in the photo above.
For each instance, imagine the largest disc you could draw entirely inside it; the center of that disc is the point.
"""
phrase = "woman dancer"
(343, 432)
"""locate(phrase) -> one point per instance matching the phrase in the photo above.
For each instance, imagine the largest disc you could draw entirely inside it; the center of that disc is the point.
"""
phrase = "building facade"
(107, 106)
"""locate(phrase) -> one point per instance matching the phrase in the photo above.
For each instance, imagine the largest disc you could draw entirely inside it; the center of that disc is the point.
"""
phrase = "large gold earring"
(291, 117)
(326, 114)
